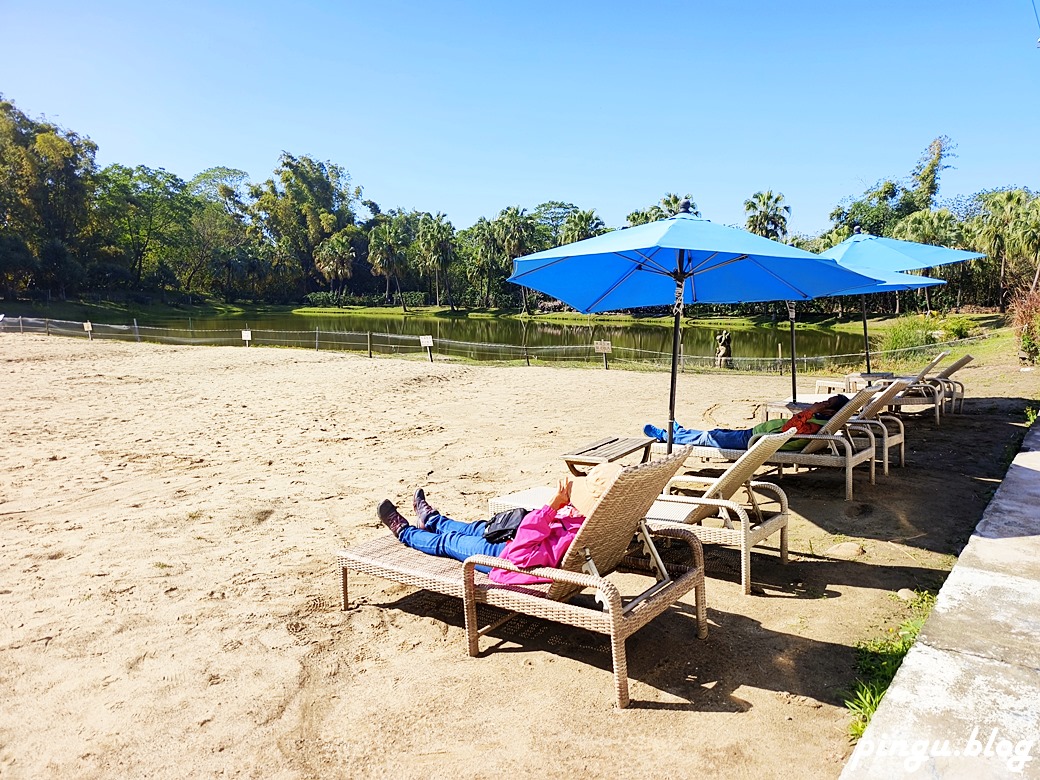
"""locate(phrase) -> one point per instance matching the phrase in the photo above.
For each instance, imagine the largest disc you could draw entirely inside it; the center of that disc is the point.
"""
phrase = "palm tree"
(487, 255)
(997, 230)
(668, 207)
(767, 215)
(1027, 237)
(938, 228)
(388, 253)
(437, 246)
(580, 225)
(334, 258)
(516, 233)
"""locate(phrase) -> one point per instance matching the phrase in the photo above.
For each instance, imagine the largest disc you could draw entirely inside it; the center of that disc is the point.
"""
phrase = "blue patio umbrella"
(874, 255)
(680, 260)
(888, 281)
(862, 250)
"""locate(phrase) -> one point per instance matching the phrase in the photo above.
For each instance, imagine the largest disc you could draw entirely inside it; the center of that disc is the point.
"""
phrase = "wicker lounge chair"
(919, 392)
(888, 429)
(953, 390)
(601, 546)
(714, 515)
(833, 446)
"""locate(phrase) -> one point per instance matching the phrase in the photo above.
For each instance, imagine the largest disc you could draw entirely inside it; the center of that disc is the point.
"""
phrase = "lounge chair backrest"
(877, 404)
(842, 416)
(924, 371)
(956, 365)
(740, 472)
(608, 530)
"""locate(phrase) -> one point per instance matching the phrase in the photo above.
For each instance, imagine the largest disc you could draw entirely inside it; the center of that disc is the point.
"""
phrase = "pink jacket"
(541, 540)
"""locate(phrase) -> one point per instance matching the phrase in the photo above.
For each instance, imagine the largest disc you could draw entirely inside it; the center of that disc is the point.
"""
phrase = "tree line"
(307, 233)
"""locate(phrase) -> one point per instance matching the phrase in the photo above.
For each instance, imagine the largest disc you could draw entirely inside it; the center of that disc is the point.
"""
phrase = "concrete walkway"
(966, 701)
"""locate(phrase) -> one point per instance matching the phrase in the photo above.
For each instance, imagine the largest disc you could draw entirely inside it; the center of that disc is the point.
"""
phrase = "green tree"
(1027, 237)
(438, 250)
(145, 212)
(767, 215)
(516, 235)
(581, 225)
(46, 184)
(668, 207)
(388, 252)
(549, 218)
(879, 209)
(335, 257)
(310, 201)
(996, 232)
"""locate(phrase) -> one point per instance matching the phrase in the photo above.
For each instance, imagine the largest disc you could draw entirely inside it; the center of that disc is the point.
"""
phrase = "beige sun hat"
(586, 491)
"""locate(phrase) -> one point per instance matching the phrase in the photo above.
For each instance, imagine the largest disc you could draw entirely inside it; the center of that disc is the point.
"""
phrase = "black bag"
(502, 527)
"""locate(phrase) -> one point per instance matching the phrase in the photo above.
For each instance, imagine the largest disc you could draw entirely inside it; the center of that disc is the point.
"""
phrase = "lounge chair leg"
(745, 566)
(343, 585)
(472, 629)
(617, 651)
(783, 543)
(702, 611)
(848, 481)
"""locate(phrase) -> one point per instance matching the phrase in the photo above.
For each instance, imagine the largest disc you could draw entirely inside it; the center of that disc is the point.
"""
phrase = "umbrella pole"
(794, 365)
(866, 341)
(677, 315)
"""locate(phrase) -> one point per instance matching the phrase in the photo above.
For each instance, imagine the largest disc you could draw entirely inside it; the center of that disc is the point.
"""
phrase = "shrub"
(907, 333)
(956, 327)
(1025, 316)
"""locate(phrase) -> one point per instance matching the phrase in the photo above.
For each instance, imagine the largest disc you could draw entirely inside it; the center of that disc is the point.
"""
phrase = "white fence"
(373, 343)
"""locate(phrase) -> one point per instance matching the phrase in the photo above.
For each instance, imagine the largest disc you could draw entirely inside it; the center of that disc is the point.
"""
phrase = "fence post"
(315, 339)
(20, 328)
(191, 330)
(370, 343)
(137, 333)
(527, 356)
(47, 325)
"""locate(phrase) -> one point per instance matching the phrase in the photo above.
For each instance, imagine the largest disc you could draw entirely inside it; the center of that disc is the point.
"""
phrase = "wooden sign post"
(427, 341)
(604, 348)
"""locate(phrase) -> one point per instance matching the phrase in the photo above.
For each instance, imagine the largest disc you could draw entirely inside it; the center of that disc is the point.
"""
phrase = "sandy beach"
(170, 518)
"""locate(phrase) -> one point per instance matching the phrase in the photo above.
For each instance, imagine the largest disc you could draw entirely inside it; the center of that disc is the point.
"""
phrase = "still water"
(697, 340)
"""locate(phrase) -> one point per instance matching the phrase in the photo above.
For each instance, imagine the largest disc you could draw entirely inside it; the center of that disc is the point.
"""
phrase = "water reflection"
(696, 340)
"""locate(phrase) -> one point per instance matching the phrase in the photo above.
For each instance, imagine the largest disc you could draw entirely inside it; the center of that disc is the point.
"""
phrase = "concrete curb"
(966, 701)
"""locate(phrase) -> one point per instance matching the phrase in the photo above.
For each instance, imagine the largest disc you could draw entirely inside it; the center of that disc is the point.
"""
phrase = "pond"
(762, 342)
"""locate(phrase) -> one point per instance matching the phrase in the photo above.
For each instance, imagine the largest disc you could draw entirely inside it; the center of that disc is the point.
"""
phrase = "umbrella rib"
(620, 280)
(779, 278)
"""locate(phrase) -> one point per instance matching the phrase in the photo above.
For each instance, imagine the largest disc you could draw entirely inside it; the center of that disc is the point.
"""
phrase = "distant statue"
(725, 351)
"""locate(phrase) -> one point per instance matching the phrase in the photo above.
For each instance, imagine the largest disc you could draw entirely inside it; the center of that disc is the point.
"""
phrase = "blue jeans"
(722, 438)
(451, 539)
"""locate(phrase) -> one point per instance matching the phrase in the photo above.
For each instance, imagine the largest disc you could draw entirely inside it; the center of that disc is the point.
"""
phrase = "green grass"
(877, 661)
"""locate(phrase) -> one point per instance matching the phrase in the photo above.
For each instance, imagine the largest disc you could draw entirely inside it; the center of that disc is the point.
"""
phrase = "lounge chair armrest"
(546, 572)
(722, 503)
(768, 487)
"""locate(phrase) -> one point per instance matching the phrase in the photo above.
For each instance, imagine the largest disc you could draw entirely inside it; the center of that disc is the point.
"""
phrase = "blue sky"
(469, 107)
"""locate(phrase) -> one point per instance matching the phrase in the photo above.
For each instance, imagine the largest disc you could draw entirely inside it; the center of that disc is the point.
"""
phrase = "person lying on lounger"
(541, 539)
(807, 422)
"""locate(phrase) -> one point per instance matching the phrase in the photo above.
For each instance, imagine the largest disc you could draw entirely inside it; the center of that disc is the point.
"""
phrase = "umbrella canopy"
(862, 251)
(680, 260)
(644, 265)
(879, 257)
(888, 281)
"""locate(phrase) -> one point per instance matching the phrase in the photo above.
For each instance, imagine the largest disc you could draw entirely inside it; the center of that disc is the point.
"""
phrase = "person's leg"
(459, 545)
(722, 438)
(728, 439)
